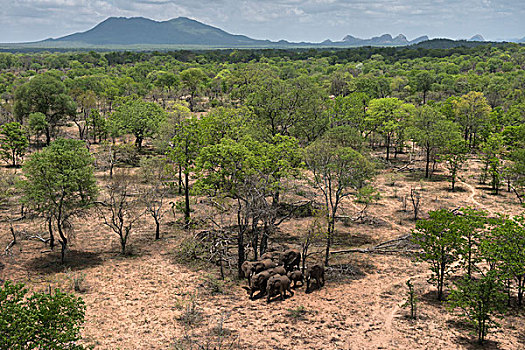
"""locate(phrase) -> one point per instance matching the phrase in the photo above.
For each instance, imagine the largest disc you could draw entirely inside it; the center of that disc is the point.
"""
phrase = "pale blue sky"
(294, 20)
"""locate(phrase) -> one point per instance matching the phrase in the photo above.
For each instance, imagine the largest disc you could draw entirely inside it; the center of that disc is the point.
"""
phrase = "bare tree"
(415, 196)
(120, 210)
(155, 173)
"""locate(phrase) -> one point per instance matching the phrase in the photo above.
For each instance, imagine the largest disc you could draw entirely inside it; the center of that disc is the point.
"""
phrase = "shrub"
(40, 321)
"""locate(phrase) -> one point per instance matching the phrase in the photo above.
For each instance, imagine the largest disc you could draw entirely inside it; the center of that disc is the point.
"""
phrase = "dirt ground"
(149, 300)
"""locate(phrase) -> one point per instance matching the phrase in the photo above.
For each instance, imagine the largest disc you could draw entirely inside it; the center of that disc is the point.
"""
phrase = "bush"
(191, 312)
(40, 321)
(298, 313)
(479, 301)
(76, 280)
(213, 285)
(189, 251)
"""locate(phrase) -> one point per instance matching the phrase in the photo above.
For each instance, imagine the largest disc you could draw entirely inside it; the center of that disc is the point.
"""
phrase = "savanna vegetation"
(176, 168)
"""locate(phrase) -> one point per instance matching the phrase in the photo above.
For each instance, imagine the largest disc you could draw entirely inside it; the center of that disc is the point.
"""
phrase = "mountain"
(477, 37)
(138, 33)
(383, 40)
(139, 30)
(184, 31)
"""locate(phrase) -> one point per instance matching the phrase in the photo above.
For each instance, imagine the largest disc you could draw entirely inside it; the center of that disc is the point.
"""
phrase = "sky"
(293, 20)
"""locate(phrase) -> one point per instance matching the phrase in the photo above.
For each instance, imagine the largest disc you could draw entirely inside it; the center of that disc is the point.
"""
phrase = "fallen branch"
(405, 166)
(380, 248)
(12, 243)
(39, 238)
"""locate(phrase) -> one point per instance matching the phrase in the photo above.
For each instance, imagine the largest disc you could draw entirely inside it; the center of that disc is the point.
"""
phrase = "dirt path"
(390, 313)
(473, 194)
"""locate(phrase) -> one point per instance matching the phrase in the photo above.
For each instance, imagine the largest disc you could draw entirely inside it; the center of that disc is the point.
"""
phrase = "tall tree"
(388, 116)
(60, 183)
(13, 142)
(245, 171)
(431, 131)
(439, 240)
(46, 94)
(338, 171)
(472, 112)
(137, 117)
(192, 80)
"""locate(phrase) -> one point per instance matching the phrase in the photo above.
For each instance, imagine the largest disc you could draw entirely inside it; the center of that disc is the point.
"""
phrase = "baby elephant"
(278, 284)
(259, 282)
(296, 276)
(316, 272)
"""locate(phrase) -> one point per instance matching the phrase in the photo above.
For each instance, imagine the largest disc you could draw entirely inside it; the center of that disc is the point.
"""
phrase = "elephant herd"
(275, 272)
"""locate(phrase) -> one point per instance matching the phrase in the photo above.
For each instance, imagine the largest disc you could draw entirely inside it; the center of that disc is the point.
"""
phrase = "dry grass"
(135, 302)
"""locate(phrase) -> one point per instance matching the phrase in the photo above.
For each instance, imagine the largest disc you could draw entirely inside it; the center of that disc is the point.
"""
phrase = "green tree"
(492, 154)
(192, 80)
(470, 224)
(247, 172)
(423, 81)
(439, 240)
(184, 149)
(338, 171)
(46, 94)
(503, 250)
(37, 124)
(39, 321)
(431, 131)
(60, 183)
(137, 117)
(387, 116)
(13, 142)
(472, 112)
(480, 301)
(454, 154)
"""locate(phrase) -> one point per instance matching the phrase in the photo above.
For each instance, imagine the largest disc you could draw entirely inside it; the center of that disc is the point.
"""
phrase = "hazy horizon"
(292, 20)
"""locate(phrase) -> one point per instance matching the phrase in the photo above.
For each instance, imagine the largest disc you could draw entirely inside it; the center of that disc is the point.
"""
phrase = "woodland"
(135, 187)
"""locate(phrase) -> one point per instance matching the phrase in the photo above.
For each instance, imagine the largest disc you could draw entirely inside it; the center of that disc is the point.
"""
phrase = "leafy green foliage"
(45, 94)
(13, 142)
(337, 172)
(60, 182)
(480, 301)
(142, 119)
(431, 131)
(388, 117)
(412, 300)
(439, 239)
(39, 321)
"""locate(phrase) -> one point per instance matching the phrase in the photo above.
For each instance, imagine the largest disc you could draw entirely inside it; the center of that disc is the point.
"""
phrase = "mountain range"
(182, 32)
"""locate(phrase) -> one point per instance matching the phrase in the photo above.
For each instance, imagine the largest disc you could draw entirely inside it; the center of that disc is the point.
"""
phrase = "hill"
(140, 34)
(383, 40)
(139, 30)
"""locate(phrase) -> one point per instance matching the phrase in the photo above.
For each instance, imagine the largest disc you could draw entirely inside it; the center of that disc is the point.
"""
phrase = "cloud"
(311, 20)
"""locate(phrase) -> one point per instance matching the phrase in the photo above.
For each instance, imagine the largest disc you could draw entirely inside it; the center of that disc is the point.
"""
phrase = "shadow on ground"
(75, 260)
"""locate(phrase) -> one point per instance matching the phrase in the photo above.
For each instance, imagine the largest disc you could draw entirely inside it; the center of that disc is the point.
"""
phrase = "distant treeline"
(437, 48)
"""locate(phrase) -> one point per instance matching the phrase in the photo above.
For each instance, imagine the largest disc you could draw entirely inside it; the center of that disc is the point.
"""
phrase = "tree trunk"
(62, 240)
(180, 179)
(138, 142)
(51, 235)
(331, 224)
(428, 162)
(240, 243)
(157, 227)
(48, 136)
(186, 198)
(388, 148)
